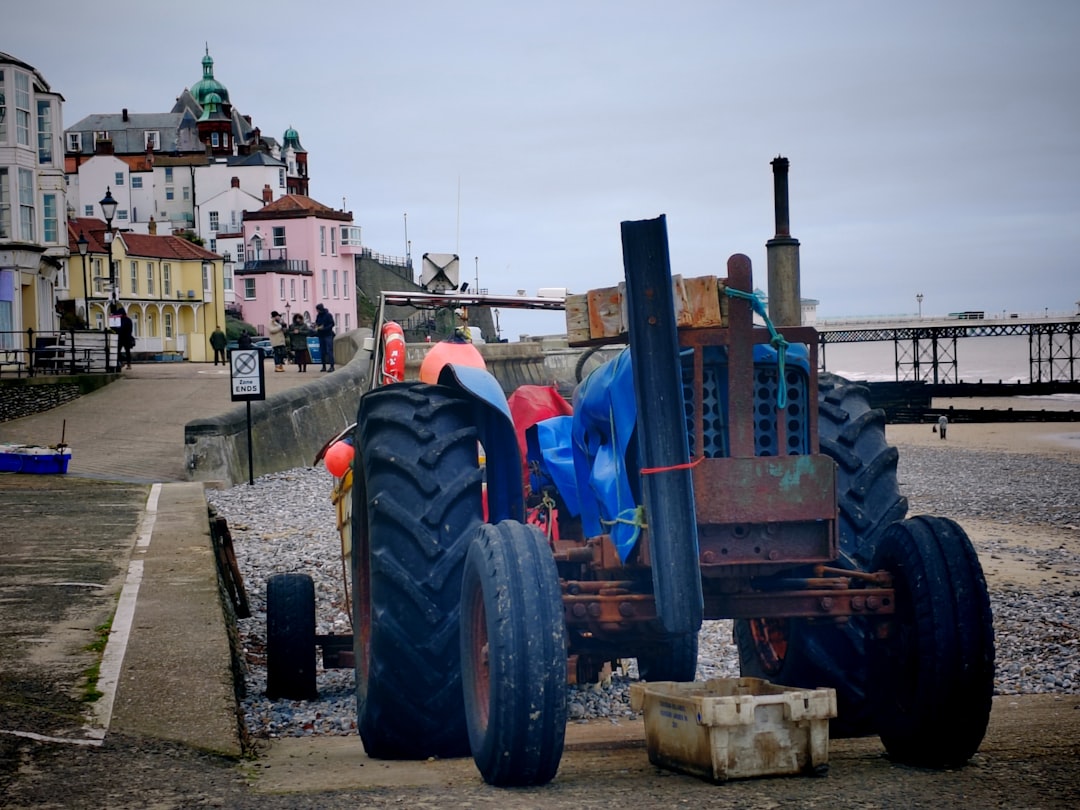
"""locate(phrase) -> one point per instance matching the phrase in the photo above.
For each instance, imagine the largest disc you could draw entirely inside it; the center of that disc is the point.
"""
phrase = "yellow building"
(172, 289)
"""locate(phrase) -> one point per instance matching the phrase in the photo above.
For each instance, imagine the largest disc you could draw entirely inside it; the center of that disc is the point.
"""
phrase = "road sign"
(246, 375)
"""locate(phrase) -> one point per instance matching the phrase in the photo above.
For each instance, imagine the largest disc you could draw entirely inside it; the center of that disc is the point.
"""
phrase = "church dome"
(292, 139)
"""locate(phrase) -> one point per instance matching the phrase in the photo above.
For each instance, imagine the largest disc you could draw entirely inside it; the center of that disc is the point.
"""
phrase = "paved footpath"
(133, 429)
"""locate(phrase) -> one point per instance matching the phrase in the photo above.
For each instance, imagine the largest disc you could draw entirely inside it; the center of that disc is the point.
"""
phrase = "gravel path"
(285, 523)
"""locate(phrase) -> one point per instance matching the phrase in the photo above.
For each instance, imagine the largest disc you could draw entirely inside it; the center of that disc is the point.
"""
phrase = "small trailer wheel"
(290, 637)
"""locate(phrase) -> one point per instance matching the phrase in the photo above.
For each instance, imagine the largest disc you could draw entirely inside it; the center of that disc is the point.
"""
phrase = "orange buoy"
(457, 350)
(338, 457)
(393, 353)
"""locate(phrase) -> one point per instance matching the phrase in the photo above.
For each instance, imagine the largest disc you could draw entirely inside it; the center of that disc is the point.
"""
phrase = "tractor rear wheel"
(290, 637)
(513, 655)
(416, 504)
(932, 674)
(800, 652)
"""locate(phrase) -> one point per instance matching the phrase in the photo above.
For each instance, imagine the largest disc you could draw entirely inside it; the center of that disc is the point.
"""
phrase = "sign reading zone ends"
(246, 375)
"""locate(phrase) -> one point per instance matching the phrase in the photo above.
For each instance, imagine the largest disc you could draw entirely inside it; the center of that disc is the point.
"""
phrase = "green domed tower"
(208, 84)
(295, 157)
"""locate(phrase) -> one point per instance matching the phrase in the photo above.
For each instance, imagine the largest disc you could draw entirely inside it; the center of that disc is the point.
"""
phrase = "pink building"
(297, 253)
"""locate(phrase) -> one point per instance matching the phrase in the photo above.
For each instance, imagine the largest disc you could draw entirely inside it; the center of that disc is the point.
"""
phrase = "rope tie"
(776, 340)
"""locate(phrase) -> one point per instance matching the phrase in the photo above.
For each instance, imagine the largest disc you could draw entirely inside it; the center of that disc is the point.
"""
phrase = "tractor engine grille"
(766, 387)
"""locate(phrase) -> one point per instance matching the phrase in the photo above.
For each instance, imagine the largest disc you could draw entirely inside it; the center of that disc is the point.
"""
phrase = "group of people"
(293, 337)
(289, 338)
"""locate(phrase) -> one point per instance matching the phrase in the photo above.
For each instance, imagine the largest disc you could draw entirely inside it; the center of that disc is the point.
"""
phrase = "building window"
(281, 178)
(227, 276)
(322, 239)
(213, 245)
(136, 182)
(344, 283)
(51, 223)
(22, 108)
(166, 279)
(45, 132)
(279, 236)
(27, 231)
(88, 210)
(119, 181)
(134, 278)
(292, 289)
(215, 139)
(3, 112)
(74, 141)
(333, 241)
(153, 141)
(325, 294)
(249, 289)
(206, 276)
(167, 318)
(214, 221)
(168, 174)
(121, 213)
(335, 283)
(304, 290)
(5, 205)
(170, 194)
(281, 289)
(149, 278)
(346, 321)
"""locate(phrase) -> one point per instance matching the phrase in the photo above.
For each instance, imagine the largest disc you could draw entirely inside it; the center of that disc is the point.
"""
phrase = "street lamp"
(919, 298)
(84, 247)
(108, 210)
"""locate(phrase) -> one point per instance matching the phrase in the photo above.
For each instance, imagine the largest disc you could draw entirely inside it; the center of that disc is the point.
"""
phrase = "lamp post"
(918, 299)
(84, 247)
(108, 210)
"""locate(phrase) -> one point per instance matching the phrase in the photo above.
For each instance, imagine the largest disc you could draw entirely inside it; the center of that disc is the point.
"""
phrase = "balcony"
(274, 260)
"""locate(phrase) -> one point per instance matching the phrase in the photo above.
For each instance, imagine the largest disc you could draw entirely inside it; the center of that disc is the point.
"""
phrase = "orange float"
(458, 350)
(393, 353)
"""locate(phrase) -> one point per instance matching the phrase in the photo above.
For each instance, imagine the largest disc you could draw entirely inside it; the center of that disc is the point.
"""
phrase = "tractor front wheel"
(932, 674)
(513, 655)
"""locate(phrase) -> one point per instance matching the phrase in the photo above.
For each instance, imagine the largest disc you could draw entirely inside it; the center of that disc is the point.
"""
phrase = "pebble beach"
(1012, 487)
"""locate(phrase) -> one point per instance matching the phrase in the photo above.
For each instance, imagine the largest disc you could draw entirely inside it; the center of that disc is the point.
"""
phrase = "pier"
(925, 349)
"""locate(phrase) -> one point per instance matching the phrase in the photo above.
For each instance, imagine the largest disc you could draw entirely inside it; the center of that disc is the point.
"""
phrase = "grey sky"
(933, 145)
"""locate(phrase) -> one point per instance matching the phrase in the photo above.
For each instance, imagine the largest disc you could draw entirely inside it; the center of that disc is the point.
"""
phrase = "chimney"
(247, 118)
(268, 194)
(125, 115)
(152, 226)
(782, 255)
(235, 182)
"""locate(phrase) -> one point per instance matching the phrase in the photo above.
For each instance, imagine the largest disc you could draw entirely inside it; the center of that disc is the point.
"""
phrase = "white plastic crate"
(732, 728)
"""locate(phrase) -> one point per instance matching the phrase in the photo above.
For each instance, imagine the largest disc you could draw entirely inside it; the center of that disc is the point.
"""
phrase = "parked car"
(262, 344)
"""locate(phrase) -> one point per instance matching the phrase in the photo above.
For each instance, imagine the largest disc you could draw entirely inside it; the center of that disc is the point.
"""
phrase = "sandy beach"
(1012, 486)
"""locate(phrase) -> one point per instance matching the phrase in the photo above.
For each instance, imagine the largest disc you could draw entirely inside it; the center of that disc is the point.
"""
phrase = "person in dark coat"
(218, 341)
(298, 335)
(126, 338)
(324, 331)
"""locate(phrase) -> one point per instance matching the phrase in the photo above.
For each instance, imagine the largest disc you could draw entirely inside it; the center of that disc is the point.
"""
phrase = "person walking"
(298, 335)
(218, 342)
(126, 338)
(942, 425)
(277, 340)
(324, 331)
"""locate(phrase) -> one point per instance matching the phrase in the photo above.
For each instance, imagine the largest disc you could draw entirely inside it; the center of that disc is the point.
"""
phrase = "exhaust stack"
(782, 252)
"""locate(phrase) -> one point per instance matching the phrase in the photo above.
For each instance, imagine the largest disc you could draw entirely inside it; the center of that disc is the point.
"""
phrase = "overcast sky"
(933, 144)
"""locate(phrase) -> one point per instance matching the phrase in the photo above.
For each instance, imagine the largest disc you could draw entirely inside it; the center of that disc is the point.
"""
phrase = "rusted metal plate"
(727, 549)
(772, 488)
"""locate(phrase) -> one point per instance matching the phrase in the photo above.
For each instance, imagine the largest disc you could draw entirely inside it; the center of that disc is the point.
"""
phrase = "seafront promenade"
(133, 429)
